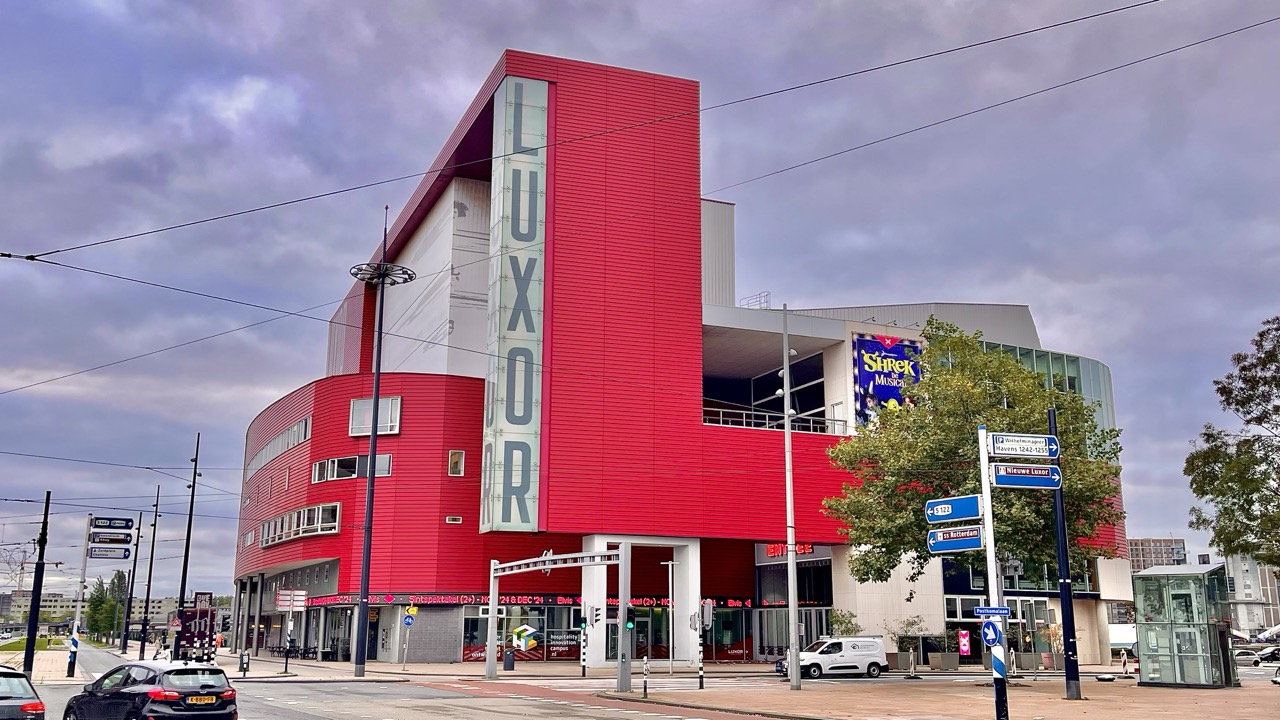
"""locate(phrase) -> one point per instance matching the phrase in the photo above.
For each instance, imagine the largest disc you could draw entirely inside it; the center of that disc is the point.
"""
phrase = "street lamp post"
(379, 274)
(793, 600)
(671, 611)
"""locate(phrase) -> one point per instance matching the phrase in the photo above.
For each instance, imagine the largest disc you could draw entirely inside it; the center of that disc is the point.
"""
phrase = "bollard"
(645, 686)
(701, 686)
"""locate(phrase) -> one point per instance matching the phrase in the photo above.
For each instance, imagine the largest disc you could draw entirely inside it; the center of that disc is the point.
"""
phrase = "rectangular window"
(457, 459)
(355, 466)
(313, 520)
(362, 416)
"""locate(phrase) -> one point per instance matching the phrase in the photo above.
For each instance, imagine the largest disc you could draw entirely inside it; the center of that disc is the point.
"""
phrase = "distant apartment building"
(1253, 591)
(15, 606)
(1149, 552)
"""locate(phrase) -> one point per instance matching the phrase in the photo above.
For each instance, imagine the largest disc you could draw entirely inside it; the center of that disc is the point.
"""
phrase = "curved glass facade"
(1071, 373)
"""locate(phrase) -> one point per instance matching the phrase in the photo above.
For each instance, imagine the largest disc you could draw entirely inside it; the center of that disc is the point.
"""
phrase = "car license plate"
(201, 700)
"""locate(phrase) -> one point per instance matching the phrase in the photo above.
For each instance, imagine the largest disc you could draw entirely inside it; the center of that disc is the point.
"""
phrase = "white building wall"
(440, 317)
(837, 372)
(881, 606)
(718, 282)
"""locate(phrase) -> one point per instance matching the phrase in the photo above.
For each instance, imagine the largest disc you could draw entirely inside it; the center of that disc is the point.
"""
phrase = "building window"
(248, 538)
(354, 466)
(362, 416)
(457, 460)
(313, 520)
(290, 438)
(961, 608)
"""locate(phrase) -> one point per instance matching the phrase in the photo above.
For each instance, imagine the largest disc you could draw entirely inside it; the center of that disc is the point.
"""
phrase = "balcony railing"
(773, 421)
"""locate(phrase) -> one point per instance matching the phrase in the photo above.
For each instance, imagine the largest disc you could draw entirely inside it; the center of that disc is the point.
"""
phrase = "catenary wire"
(602, 133)
(721, 189)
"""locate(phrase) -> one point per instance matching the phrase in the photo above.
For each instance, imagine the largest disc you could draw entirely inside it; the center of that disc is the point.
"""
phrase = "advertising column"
(513, 382)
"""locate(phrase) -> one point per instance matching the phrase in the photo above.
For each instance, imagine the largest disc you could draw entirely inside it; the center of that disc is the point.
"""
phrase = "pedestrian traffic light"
(582, 623)
(631, 617)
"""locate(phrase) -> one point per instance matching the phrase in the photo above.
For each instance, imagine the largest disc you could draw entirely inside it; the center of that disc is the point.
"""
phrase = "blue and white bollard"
(999, 679)
(71, 657)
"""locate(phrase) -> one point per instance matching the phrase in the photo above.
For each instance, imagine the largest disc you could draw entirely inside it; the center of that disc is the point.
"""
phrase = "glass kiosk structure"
(1184, 626)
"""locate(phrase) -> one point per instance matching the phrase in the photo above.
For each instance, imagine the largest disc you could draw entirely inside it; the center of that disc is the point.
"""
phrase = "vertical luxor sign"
(509, 494)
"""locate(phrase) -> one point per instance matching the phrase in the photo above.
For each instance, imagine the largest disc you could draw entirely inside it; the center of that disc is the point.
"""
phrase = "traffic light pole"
(186, 555)
(151, 564)
(624, 633)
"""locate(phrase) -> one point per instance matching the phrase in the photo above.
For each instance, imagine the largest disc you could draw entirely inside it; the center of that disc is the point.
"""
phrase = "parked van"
(859, 655)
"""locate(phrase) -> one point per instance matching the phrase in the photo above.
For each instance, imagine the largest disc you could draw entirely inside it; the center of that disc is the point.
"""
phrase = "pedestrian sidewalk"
(267, 668)
(961, 700)
(49, 667)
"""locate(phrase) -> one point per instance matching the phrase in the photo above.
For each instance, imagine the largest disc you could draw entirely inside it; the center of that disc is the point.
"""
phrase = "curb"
(708, 708)
(291, 678)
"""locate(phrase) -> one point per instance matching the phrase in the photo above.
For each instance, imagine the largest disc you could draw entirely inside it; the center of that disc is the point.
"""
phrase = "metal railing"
(772, 421)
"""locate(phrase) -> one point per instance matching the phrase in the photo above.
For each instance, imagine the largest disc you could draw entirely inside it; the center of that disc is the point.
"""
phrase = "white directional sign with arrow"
(1028, 446)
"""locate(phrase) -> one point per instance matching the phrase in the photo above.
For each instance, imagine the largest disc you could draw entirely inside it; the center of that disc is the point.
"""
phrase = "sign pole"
(1070, 652)
(75, 629)
(994, 582)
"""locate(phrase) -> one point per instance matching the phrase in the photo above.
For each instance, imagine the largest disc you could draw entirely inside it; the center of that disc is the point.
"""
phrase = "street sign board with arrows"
(957, 539)
(1028, 446)
(963, 507)
(1037, 477)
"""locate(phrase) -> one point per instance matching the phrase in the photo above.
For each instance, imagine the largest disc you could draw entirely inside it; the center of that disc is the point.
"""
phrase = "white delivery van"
(859, 655)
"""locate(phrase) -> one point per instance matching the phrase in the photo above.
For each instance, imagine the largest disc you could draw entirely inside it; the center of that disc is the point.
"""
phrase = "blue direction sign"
(1028, 446)
(408, 621)
(991, 611)
(1038, 477)
(991, 634)
(964, 507)
(109, 523)
(958, 539)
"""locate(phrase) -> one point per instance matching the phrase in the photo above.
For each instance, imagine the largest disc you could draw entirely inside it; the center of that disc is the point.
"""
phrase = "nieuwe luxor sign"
(513, 382)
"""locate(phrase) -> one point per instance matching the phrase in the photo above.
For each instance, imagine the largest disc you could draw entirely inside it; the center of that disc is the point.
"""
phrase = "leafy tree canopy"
(1235, 474)
(931, 451)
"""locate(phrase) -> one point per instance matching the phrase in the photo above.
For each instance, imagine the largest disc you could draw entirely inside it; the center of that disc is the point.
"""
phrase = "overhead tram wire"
(113, 363)
(590, 136)
(711, 107)
(756, 178)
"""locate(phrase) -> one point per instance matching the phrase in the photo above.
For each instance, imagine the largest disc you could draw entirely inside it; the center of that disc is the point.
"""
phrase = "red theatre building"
(569, 371)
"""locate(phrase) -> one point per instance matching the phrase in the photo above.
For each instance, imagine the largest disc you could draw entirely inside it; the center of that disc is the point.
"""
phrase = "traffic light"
(594, 612)
(585, 620)
(631, 617)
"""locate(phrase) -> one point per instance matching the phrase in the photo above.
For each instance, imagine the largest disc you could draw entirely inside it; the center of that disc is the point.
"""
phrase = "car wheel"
(813, 671)
(1256, 663)
(873, 670)
(69, 714)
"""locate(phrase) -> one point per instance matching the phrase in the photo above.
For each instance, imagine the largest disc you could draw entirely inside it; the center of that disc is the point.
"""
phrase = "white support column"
(688, 599)
(595, 589)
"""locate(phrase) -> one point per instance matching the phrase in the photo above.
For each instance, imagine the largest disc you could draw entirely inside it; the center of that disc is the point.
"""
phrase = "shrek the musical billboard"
(882, 365)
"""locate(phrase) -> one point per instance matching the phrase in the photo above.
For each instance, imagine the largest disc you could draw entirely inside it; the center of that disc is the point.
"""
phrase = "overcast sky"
(1135, 213)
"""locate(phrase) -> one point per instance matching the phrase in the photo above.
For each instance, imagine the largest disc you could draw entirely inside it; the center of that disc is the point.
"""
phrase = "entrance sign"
(958, 539)
(964, 507)
(509, 473)
(1035, 477)
(1028, 446)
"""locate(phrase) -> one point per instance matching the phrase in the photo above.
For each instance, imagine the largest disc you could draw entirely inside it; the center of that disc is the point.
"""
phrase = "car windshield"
(15, 686)
(195, 679)
(816, 646)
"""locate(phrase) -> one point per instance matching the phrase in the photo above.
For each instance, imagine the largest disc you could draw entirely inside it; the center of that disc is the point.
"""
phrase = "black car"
(17, 698)
(1271, 654)
(169, 690)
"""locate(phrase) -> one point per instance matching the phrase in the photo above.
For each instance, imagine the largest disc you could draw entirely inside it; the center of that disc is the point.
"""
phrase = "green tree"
(930, 451)
(1235, 474)
(844, 622)
(99, 599)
